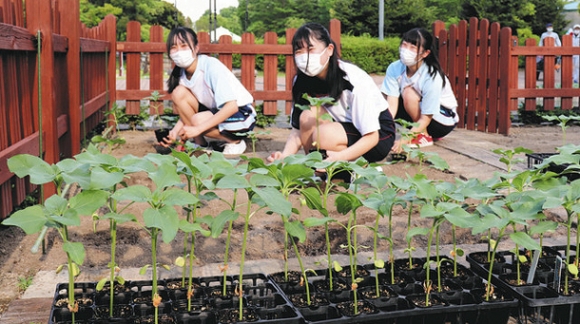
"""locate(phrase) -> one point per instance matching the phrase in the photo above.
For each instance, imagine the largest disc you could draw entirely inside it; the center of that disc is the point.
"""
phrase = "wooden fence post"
(270, 74)
(156, 70)
(70, 27)
(505, 47)
(290, 68)
(334, 30)
(133, 65)
(111, 37)
(39, 19)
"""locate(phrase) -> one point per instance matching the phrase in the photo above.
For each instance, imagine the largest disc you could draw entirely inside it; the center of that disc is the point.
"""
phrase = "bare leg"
(411, 101)
(332, 137)
(187, 107)
(307, 127)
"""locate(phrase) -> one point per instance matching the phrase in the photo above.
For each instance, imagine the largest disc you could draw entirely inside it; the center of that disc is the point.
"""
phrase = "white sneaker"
(235, 148)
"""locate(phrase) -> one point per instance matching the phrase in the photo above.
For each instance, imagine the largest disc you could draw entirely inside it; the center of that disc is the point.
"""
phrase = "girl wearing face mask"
(209, 98)
(361, 124)
(418, 91)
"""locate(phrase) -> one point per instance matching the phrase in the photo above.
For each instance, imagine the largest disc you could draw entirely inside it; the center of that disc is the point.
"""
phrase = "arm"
(393, 104)
(293, 144)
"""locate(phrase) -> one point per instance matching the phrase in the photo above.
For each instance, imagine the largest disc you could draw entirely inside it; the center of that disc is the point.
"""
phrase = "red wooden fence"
(481, 60)
(50, 98)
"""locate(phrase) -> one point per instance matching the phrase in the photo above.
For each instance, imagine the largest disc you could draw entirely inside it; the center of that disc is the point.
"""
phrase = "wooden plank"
(549, 73)
(94, 45)
(156, 66)
(290, 70)
(28, 145)
(71, 29)
(505, 46)
(461, 90)
(270, 74)
(39, 12)
(472, 82)
(494, 83)
(530, 75)
(133, 65)
(566, 70)
(26, 311)
(226, 58)
(482, 76)
(16, 38)
(248, 64)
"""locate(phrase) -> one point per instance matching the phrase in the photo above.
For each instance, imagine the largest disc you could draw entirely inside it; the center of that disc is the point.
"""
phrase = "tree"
(507, 13)
(548, 11)
(147, 12)
(359, 17)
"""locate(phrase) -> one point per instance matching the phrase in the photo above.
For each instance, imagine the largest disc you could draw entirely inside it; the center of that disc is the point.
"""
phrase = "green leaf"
(573, 269)
(524, 240)
(39, 171)
(180, 262)
(234, 181)
(188, 227)
(177, 197)
(317, 221)
(30, 219)
(275, 201)
(101, 283)
(76, 251)
(88, 201)
(314, 200)
(137, 193)
(416, 231)
(120, 218)
(217, 225)
(165, 219)
(295, 229)
(379, 264)
(165, 176)
(336, 266)
(101, 179)
(143, 269)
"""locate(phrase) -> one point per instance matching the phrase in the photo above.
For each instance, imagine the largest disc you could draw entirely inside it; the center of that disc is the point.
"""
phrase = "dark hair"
(420, 37)
(186, 35)
(335, 75)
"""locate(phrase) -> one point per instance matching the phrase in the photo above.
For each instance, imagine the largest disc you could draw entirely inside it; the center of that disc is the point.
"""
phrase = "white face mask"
(550, 30)
(310, 64)
(183, 59)
(576, 31)
(408, 57)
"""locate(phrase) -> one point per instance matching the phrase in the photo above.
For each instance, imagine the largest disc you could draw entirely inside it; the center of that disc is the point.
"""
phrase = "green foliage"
(146, 12)
(370, 54)
(262, 120)
(24, 283)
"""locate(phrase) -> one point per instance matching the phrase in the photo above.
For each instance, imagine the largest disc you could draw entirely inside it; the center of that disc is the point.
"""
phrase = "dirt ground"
(17, 263)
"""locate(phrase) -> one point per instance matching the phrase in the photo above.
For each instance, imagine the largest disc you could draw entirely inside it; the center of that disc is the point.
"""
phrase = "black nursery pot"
(160, 134)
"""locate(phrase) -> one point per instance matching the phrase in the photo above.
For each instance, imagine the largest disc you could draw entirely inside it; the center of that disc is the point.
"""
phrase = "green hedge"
(370, 54)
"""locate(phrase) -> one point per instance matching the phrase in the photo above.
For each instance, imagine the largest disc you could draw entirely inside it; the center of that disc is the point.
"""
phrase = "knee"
(307, 119)
(182, 95)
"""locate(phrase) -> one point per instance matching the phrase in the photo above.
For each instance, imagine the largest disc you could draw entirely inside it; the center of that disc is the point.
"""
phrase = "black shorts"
(386, 137)
(238, 125)
(435, 128)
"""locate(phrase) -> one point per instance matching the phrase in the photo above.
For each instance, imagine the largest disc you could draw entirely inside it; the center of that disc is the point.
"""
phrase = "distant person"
(540, 59)
(361, 123)
(209, 98)
(418, 91)
(575, 58)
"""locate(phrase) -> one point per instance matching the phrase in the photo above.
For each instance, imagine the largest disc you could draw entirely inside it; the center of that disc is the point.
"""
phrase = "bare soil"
(17, 263)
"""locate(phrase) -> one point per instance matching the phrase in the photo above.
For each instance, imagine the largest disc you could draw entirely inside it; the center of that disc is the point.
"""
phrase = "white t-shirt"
(213, 84)
(361, 106)
(433, 93)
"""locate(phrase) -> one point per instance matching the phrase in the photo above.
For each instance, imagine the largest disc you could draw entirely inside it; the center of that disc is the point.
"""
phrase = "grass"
(24, 283)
